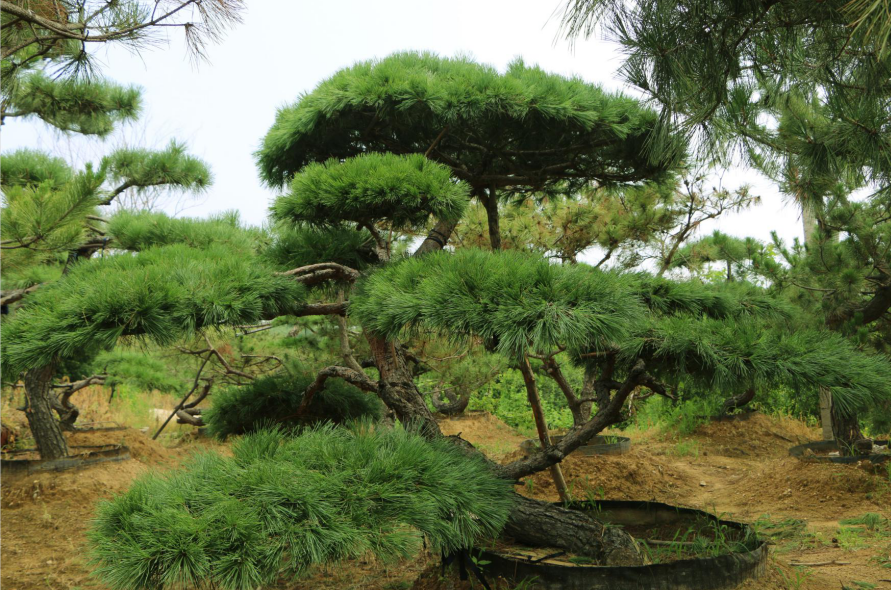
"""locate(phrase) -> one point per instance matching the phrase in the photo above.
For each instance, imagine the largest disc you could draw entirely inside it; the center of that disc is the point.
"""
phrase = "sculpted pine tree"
(502, 134)
(626, 330)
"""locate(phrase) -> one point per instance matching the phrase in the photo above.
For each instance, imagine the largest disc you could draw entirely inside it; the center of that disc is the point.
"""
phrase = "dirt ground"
(740, 470)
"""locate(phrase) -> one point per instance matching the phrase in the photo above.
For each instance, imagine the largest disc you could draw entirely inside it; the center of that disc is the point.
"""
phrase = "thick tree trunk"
(397, 388)
(738, 401)
(545, 525)
(45, 428)
(846, 430)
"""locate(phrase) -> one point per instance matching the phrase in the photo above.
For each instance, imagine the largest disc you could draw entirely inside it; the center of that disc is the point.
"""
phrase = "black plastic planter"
(829, 445)
(80, 457)
(598, 445)
(705, 573)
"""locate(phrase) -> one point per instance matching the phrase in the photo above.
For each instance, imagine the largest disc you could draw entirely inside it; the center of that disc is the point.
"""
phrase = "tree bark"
(397, 388)
(846, 430)
(45, 428)
(546, 525)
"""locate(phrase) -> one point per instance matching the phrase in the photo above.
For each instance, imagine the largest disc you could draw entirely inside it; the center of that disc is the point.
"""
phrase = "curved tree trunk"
(45, 428)
(452, 405)
(738, 401)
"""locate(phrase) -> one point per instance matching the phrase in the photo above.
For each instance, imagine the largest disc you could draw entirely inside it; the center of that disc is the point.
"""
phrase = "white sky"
(222, 109)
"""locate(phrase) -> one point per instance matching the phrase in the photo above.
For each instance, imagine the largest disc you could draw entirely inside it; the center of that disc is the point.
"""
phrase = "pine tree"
(801, 91)
(626, 330)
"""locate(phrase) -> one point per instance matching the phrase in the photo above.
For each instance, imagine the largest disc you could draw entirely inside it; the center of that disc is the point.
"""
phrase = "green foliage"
(516, 301)
(295, 245)
(422, 103)
(136, 231)
(404, 190)
(275, 399)
(89, 107)
(48, 215)
(138, 370)
(142, 168)
(26, 167)
(505, 397)
(282, 504)
(161, 294)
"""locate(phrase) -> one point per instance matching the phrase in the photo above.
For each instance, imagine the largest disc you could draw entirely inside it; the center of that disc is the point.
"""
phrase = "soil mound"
(484, 431)
(637, 475)
(756, 435)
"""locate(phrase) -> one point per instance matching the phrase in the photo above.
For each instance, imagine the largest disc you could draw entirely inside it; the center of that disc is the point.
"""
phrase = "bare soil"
(739, 470)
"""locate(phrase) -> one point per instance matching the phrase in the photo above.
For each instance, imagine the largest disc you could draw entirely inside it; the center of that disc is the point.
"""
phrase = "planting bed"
(687, 549)
(820, 452)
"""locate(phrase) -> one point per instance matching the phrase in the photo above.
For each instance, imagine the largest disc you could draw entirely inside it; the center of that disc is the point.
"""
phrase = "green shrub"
(275, 399)
(281, 504)
(505, 397)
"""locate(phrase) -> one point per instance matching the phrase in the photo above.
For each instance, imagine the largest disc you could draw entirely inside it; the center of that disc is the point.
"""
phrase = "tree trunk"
(453, 405)
(491, 204)
(545, 525)
(846, 430)
(826, 413)
(738, 401)
(541, 424)
(45, 428)
(397, 388)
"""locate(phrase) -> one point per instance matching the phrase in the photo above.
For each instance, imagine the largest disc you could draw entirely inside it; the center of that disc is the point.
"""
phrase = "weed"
(686, 448)
(796, 580)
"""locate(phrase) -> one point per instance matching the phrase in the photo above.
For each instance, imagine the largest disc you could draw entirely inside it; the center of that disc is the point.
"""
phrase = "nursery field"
(739, 470)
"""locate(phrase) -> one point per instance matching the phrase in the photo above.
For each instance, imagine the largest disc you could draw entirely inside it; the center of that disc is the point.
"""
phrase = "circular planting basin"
(28, 460)
(819, 452)
(688, 549)
(598, 445)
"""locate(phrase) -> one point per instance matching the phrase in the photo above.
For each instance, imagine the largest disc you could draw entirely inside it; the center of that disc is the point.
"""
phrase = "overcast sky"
(223, 108)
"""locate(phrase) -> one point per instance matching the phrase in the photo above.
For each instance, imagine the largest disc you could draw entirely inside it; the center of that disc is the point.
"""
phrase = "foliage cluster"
(274, 400)
(162, 294)
(282, 504)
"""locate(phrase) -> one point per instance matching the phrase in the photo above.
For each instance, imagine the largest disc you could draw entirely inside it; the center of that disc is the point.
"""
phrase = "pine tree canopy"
(282, 504)
(136, 231)
(26, 167)
(404, 190)
(61, 31)
(295, 245)
(162, 293)
(729, 65)
(142, 168)
(275, 400)
(47, 217)
(517, 301)
(523, 128)
(90, 107)
(724, 337)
